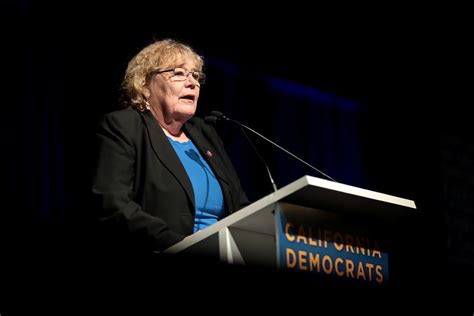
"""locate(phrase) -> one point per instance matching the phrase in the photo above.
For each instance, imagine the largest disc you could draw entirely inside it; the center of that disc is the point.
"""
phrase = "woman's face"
(174, 94)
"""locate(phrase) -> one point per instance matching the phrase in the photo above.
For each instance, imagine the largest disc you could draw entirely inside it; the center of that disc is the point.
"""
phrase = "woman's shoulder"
(126, 114)
(122, 116)
(124, 119)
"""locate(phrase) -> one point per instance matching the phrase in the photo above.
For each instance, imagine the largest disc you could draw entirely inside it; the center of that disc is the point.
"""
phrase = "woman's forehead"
(181, 62)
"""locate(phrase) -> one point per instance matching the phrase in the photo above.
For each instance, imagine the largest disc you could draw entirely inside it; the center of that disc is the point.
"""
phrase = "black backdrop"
(355, 100)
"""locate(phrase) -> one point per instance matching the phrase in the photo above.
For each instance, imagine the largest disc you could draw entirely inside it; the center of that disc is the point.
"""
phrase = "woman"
(161, 173)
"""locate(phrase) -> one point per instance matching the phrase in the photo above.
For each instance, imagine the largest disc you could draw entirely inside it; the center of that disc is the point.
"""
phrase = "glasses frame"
(201, 76)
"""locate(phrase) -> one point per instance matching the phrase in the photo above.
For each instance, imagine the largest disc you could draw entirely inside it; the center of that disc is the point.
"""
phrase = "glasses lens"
(180, 73)
(201, 77)
(195, 75)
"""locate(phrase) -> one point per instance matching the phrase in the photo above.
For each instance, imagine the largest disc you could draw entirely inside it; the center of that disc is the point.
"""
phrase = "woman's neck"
(179, 136)
(172, 129)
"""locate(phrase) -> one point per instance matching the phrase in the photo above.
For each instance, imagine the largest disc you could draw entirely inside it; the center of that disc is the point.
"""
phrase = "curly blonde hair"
(154, 57)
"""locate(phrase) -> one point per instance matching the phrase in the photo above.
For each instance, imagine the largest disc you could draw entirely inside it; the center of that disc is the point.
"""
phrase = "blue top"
(208, 196)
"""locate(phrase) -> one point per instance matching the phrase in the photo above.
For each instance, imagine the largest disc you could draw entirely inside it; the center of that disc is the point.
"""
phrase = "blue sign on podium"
(323, 248)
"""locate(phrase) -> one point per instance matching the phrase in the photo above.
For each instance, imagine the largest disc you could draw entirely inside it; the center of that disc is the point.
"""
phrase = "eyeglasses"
(181, 74)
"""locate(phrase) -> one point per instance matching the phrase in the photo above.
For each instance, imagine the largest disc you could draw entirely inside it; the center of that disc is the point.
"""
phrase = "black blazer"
(141, 185)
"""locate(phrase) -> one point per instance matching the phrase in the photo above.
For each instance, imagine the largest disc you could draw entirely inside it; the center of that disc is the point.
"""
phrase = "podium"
(313, 225)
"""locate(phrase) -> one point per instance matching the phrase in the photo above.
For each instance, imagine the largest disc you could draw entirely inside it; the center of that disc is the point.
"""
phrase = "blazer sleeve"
(113, 186)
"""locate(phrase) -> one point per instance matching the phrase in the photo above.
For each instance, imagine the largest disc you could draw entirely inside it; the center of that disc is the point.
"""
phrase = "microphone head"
(217, 113)
(210, 119)
(220, 116)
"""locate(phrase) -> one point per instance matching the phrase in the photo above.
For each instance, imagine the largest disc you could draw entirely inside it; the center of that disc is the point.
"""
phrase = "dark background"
(367, 100)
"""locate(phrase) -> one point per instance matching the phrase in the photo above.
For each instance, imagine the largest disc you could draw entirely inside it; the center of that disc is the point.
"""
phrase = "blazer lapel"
(166, 154)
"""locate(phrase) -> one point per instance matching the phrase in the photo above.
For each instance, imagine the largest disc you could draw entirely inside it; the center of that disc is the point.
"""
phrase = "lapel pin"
(209, 153)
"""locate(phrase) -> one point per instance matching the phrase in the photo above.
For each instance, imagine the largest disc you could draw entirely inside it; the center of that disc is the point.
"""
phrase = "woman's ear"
(146, 92)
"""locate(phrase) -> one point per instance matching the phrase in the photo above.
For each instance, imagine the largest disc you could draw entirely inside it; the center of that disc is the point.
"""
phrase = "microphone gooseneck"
(289, 153)
(218, 116)
(258, 154)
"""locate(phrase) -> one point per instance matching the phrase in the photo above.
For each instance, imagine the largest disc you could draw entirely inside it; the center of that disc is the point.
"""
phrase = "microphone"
(219, 116)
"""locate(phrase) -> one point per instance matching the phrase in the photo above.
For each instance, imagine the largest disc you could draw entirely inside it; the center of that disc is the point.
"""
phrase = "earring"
(147, 104)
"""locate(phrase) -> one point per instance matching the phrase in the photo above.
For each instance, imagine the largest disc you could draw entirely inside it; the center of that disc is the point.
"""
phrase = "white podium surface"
(248, 236)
